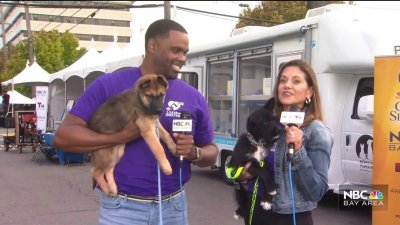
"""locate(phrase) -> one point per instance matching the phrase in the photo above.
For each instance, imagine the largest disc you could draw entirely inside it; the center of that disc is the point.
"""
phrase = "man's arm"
(73, 135)
(209, 155)
(185, 147)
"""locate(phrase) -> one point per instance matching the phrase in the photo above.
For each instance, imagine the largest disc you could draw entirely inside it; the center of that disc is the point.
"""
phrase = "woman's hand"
(294, 135)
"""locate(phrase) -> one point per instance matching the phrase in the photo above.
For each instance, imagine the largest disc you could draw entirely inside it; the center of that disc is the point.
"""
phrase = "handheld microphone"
(295, 117)
(184, 124)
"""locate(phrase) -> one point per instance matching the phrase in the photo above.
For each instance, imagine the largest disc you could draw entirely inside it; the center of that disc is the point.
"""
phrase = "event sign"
(386, 161)
(41, 107)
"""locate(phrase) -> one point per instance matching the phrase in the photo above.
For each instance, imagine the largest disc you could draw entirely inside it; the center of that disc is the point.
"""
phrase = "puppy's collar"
(261, 143)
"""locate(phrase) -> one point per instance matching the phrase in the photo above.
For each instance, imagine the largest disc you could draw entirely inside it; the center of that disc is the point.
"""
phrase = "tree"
(53, 51)
(17, 61)
(70, 44)
(277, 12)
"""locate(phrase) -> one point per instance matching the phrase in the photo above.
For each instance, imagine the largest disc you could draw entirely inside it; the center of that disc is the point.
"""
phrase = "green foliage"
(24, 90)
(48, 50)
(16, 63)
(275, 12)
(53, 51)
(70, 53)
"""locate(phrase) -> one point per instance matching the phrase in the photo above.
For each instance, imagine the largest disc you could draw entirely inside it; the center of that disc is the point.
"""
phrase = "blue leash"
(292, 194)
(159, 178)
(159, 193)
(182, 197)
(159, 186)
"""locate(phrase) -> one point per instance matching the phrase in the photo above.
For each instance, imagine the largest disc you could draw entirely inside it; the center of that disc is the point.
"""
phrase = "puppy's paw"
(266, 205)
(166, 168)
(113, 192)
(272, 192)
(172, 148)
(237, 216)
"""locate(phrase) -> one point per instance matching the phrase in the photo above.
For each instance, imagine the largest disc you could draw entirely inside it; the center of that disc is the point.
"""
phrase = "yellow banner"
(386, 160)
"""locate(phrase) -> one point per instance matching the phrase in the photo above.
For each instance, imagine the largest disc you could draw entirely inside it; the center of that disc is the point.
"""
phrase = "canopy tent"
(127, 58)
(69, 84)
(57, 101)
(17, 98)
(77, 67)
(31, 75)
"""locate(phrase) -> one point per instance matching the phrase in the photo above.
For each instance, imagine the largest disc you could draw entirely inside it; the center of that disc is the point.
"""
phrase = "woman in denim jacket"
(297, 86)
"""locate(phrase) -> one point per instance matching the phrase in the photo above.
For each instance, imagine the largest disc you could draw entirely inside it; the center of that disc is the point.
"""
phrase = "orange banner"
(386, 160)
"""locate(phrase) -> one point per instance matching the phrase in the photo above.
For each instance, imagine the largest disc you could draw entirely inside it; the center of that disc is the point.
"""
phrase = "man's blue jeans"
(124, 211)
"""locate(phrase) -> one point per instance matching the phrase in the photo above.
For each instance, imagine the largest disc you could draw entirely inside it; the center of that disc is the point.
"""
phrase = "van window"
(255, 86)
(191, 78)
(365, 87)
(220, 95)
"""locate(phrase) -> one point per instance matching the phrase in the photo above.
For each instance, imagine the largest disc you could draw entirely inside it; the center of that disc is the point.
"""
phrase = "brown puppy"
(143, 102)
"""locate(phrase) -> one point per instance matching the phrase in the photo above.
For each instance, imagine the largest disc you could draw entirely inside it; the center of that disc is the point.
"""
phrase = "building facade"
(100, 23)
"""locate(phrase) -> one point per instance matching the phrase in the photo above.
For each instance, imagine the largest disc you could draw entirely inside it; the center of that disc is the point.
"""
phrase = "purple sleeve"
(91, 99)
(204, 129)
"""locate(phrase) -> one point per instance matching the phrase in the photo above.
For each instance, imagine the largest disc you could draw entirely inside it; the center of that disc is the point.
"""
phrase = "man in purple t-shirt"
(166, 44)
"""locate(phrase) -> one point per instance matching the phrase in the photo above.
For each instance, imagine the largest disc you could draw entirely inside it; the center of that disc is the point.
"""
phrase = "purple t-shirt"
(136, 172)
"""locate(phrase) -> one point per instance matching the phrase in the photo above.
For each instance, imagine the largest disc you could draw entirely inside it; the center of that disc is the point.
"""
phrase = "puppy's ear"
(145, 84)
(270, 104)
(161, 80)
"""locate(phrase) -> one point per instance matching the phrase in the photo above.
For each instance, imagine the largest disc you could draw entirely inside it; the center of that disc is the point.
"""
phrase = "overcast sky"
(203, 28)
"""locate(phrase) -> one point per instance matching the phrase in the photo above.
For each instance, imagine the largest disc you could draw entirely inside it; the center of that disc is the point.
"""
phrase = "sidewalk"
(48, 194)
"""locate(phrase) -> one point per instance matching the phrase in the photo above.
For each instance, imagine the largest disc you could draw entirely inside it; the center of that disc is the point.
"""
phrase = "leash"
(159, 176)
(254, 196)
(159, 184)
(291, 193)
(182, 197)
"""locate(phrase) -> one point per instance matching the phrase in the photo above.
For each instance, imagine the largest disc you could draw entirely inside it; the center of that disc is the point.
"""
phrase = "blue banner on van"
(225, 140)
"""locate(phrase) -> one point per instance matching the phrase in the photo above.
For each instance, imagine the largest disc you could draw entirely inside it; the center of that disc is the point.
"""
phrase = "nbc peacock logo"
(376, 195)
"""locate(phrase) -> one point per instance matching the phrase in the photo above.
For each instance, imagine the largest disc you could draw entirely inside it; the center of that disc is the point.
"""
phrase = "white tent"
(112, 52)
(76, 69)
(33, 75)
(127, 58)
(17, 98)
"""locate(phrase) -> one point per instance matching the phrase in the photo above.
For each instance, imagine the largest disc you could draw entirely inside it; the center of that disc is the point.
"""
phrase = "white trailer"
(339, 41)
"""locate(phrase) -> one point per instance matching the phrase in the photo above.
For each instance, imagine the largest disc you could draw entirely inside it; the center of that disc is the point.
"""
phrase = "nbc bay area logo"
(353, 199)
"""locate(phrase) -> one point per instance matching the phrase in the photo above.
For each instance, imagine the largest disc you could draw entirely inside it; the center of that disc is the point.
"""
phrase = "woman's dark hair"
(314, 110)
(161, 28)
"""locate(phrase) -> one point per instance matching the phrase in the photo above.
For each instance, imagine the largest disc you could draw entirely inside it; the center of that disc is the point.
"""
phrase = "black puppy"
(263, 129)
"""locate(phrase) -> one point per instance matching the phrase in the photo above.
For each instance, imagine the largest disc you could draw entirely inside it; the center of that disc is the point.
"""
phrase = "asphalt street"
(53, 194)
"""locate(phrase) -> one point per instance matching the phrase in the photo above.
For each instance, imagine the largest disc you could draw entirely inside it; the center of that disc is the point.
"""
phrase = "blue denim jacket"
(309, 170)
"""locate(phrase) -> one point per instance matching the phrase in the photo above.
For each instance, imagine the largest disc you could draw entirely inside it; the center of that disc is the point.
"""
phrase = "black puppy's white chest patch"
(259, 154)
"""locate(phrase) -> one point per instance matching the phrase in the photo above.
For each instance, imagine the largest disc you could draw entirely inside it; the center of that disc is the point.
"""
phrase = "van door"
(356, 138)
(193, 76)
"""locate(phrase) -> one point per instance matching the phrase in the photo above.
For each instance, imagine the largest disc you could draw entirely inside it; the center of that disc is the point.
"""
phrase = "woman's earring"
(308, 101)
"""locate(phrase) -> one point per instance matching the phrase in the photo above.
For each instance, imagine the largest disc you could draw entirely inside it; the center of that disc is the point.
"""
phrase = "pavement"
(54, 194)
(47, 194)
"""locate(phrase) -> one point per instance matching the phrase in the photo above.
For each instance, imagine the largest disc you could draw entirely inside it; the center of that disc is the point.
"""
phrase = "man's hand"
(129, 132)
(185, 145)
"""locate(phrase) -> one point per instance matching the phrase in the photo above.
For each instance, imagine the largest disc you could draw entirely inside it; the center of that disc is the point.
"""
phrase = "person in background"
(166, 46)
(296, 86)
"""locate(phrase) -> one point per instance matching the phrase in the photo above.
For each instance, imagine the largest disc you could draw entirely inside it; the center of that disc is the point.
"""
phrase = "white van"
(339, 41)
